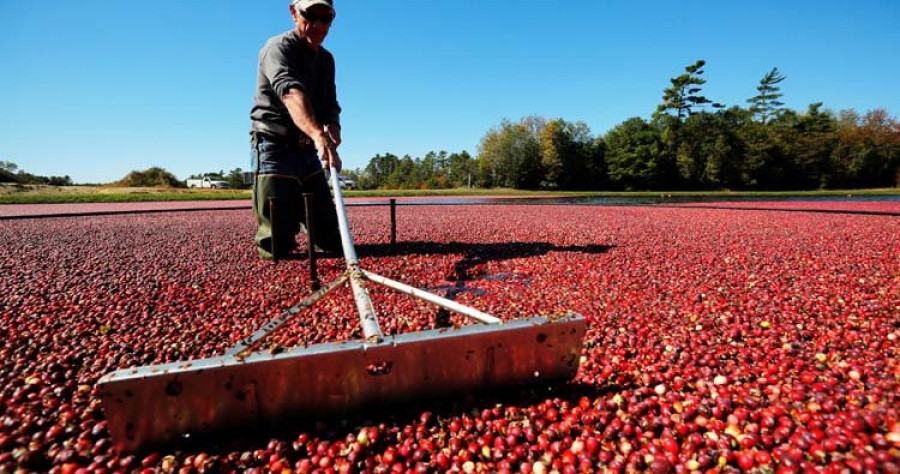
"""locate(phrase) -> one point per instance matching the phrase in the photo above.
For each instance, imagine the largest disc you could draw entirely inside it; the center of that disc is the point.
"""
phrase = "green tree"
(431, 172)
(378, 169)
(10, 172)
(683, 96)
(771, 158)
(436, 169)
(461, 169)
(7, 171)
(806, 142)
(58, 181)
(765, 104)
(760, 165)
(635, 156)
(235, 179)
(570, 156)
(510, 155)
(404, 175)
(708, 149)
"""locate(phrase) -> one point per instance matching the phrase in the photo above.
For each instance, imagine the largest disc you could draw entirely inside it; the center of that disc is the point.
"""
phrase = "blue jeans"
(282, 157)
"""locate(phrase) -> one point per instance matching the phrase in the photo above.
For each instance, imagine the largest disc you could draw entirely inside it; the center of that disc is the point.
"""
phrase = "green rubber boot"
(281, 214)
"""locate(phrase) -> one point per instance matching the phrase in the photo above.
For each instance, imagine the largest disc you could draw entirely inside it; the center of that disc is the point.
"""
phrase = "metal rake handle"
(367, 318)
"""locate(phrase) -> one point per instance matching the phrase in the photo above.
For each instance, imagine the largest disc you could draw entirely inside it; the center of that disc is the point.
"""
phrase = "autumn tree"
(868, 152)
(571, 157)
(510, 155)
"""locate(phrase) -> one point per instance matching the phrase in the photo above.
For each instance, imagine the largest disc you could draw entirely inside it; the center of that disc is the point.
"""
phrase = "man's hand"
(334, 131)
(327, 151)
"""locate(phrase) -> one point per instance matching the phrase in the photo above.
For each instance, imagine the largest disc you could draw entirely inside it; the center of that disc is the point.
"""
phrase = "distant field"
(36, 194)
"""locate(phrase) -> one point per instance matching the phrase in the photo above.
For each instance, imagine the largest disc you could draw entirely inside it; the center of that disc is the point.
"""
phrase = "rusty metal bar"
(432, 298)
(308, 201)
(272, 224)
(393, 222)
(247, 344)
(149, 405)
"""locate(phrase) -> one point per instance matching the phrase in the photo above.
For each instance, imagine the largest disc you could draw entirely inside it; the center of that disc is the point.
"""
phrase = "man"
(295, 123)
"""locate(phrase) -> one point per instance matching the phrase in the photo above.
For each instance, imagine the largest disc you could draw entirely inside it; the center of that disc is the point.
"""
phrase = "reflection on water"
(622, 201)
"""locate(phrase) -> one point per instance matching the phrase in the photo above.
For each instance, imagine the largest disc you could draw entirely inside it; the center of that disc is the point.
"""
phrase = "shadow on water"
(475, 253)
(472, 266)
(625, 201)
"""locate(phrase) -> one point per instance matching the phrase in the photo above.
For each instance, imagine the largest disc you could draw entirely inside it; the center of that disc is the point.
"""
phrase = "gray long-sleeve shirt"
(287, 62)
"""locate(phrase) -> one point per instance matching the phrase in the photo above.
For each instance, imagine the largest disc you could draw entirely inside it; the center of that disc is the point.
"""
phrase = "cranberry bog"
(718, 339)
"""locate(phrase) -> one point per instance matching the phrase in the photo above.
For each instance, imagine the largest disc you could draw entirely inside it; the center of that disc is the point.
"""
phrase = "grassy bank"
(18, 194)
(35, 194)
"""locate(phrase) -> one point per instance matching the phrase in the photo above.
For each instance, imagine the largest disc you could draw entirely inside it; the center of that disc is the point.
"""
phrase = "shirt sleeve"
(275, 67)
(332, 109)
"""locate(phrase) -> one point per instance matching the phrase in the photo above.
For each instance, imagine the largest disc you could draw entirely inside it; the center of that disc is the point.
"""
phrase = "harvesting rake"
(246, 387)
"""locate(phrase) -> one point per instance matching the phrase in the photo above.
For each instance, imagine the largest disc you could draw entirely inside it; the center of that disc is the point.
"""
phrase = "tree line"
(160, 177)
(689, 142)
(10, 173)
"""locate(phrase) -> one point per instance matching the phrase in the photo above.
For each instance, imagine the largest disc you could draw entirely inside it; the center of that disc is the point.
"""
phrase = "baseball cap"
(306, 4)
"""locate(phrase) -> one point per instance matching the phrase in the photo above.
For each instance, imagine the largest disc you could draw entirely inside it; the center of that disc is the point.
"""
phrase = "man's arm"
(301, 111)
(332, 111)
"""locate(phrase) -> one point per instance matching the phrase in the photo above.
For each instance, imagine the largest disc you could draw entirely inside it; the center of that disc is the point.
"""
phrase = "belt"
(280, 132)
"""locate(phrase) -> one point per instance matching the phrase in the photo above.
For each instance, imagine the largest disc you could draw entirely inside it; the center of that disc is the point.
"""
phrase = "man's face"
(313, 24)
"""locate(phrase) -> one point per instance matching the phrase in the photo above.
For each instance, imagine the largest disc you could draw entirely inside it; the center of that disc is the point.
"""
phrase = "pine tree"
(684, 94)
(766, 105)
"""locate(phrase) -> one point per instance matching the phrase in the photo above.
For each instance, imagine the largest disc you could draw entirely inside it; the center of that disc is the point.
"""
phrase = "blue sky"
(96, 88)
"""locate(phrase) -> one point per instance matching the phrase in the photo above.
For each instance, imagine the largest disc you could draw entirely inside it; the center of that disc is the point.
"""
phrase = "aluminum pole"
(367, 318)
(433, 299)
